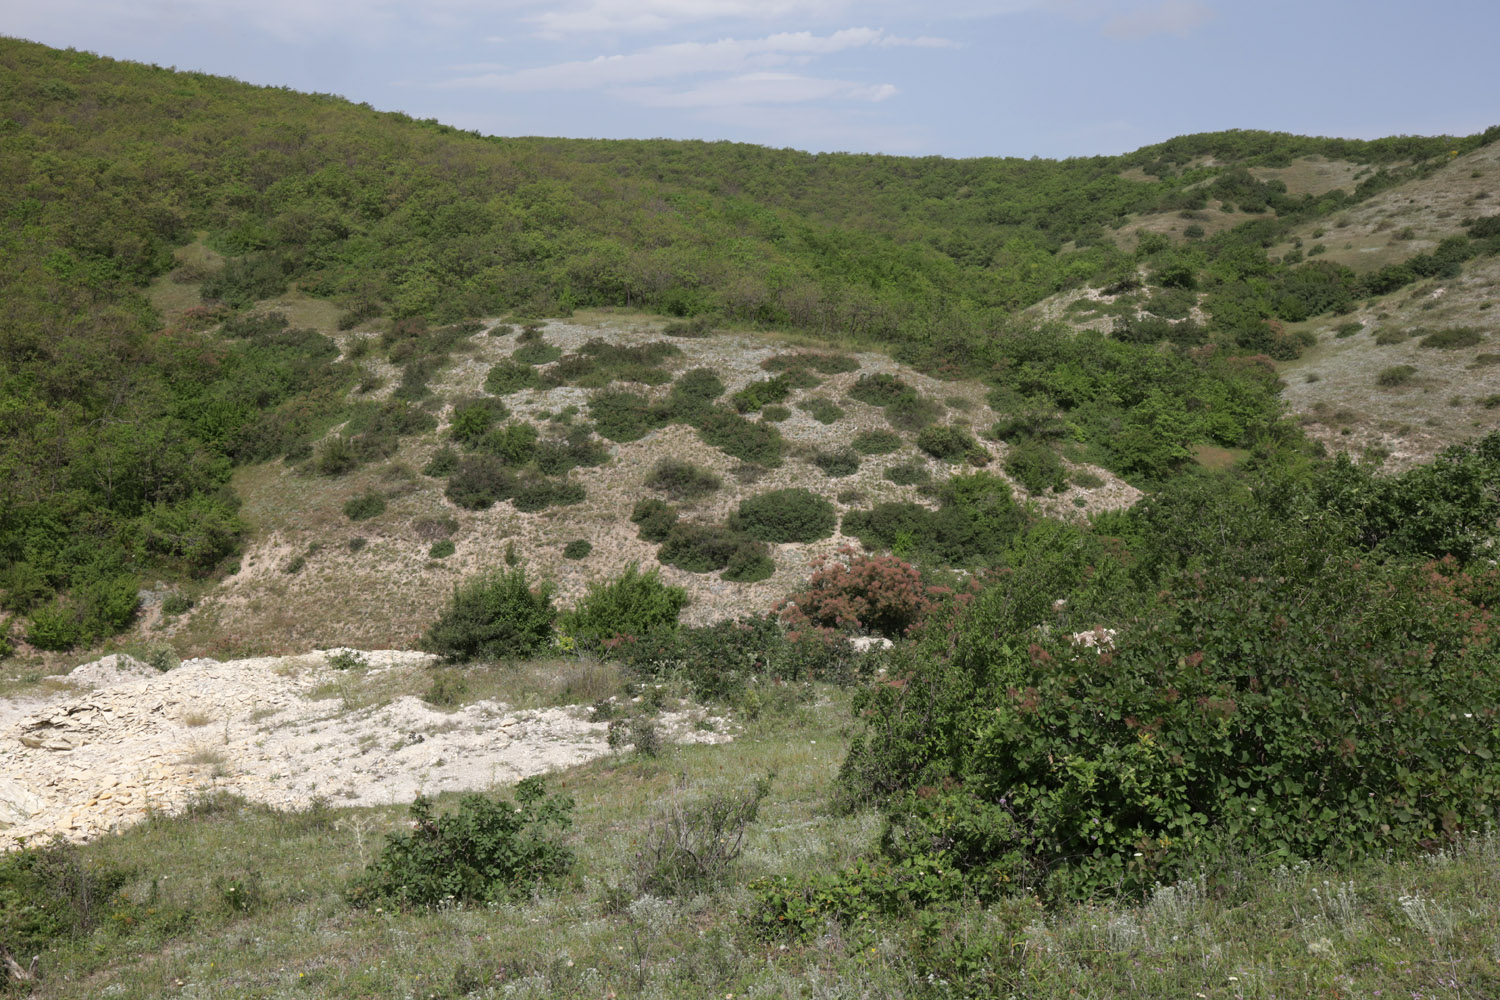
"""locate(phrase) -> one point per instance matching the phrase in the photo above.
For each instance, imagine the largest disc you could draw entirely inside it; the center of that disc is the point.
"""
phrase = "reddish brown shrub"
(858, 592)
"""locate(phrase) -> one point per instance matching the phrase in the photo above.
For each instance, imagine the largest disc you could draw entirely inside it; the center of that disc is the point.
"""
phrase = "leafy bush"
(876, 442)
(634, 604)
(822, 409)
(479, 482)
(623, 416)
(1452, 338)
(691, 846)
(539, 494)
(775, 413)
(506, 377)
(698, 326)
(578, 548)
(862, 593)
(442, 464)
(1348, 329)
(655, 518)
(49, 893)
(974, 526)
(946, 442)
(442, 549)
(536, 352)
(514, 444)
(470, 421)
(740, 438)
(699, 548)
(837, 464)
(750, 562)
(699, 386)
(491, 616)
(488, 850)
(878, 390)
(910, 411)
(682, 481)
(1395, 375)
(364, 507)
(828, 364)
(789, 515)
(1036, 467)
(760, 394)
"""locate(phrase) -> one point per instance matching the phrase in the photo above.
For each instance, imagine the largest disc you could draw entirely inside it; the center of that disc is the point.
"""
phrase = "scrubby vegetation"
(493, 616)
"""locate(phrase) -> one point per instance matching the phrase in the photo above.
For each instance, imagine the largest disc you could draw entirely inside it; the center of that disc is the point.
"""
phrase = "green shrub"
(974, 525)
(479, 482)
(488, 850)
(774, 413)
(623, 416)
(442, 464)
(878, 390)
(699, 548)
(506, 377)
(946, 442)
(908, 474)
(539, 494)
(635, 604)
(655, 518)
(760, 394)
(822, 409)
(682, 481)
(691, 847)
(750, 562)
(536, 352)
(491, 616)
(441, 549)
(1391, 335)
(1453, 338)
(739, 438)
(837, 464)
(698, 326)
(1036, 467)
(176, 604)
(701, 385)
(910, 412)
(876, 442)
(1395, 375)
(578, 548)
(49, 894)
(1348, 329)
(472, 420)
(364, 507)
(828, 364)
(788, 515)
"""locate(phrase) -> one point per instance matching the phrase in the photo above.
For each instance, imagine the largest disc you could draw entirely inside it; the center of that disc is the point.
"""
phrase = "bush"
(539, 494)
(682, 481)
(1348, 329)
(691, 846)
(739, 438)
(789, 515)
(479, 482)
(506, 377)
(876, 442)
(635, 604)
(1395, 375)
(974, 526)
(622, 416)
(699, 548)
(822, 409)
(443, 464)
(1451, 339)
(655, 518)
(514, 444)
(536, 352)
(1036, 467)
(489, 850)
(828, 364)
(774, 413)
(578, 548)
(472, 420)
(910, 412)
(49, 893)
(907, 474)
(946, 442)
(492, 616)
(760, 394)
(862, 593)
(442, 549)
(750, 562)
(364, 507)
(878, 390)
(837, 464)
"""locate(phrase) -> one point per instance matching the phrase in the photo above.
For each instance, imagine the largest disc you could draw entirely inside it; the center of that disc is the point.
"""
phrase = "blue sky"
(947, 77)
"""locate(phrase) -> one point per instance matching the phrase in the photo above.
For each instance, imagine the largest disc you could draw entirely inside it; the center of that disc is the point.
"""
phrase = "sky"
(960, 78)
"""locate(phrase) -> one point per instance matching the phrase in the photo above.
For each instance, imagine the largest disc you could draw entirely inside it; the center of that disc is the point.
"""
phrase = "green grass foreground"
(233, 900)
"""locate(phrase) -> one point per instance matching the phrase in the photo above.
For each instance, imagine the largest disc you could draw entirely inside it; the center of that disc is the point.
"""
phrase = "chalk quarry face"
(129, 741)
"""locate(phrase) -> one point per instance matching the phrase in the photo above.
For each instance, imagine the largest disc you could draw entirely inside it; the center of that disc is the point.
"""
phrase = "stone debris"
(143, 742)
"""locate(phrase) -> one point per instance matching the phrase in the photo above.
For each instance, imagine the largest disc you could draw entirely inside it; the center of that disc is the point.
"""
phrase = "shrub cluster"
(822, 409)
(492, 616)
(682, 481)
(973, 526)
(947, 442)
(863, 593)
(1036, 467)
(876, 442)
(837, 464)
(760, 394)
(788, 515)
(633, 605)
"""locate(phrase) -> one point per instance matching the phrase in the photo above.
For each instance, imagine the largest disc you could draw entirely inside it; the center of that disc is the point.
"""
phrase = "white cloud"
(727, 56)
(1170, 17)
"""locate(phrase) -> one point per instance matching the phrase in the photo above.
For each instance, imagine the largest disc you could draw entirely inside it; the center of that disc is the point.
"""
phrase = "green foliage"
(443, 464)
(837, 464)
(50, 893)
(682, 481)
(1452, 338)
(910, 411)
(492, 616)
(538, 494)
(737, 437)
(774, 413)
(908, 474)
(578, 548)
(878, 390)
(798, 909)
(506, 377)
(947, 442)
(822, 409)
(364, 507)
(691, 846)
(701, 548)
(787, 515)
(876, 442)
(634, 604)
(479, 482)
(1395, 375)
(655, 517)
(623, 416)
(537, 352)
(1036, 467)
(758, 395)
(472, 420)
(974, 525)
(441, 549)
(487, 851)
(828, 364)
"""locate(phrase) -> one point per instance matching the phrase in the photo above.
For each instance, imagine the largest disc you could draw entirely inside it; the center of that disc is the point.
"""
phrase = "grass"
(1244, 928)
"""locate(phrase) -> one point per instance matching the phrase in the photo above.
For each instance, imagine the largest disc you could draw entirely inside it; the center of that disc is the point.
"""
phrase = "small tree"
(876, 593)
(636, 604)
(495, 615)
